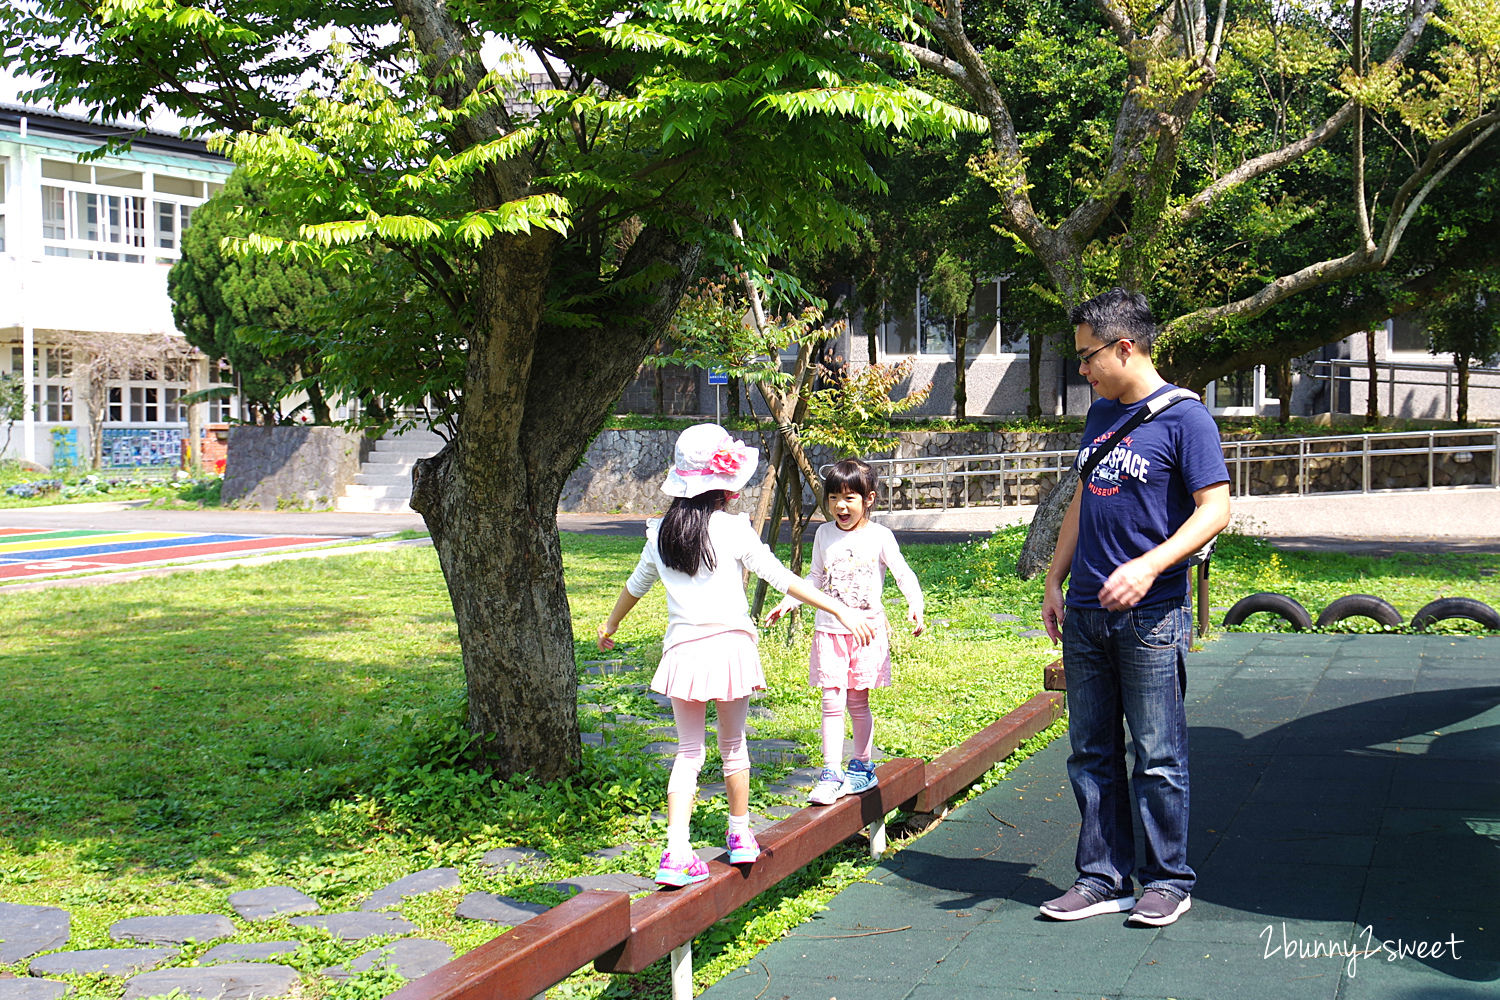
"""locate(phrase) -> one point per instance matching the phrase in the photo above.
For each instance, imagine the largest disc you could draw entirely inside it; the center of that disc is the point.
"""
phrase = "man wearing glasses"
(1159, 495)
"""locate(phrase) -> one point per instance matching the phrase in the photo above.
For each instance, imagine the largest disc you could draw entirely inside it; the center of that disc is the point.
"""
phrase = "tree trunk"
(1372, 404)
(961, 348)
(1033, 372)
(1462, 361)
(534, 398)
(1284, 376)
(1041, 537)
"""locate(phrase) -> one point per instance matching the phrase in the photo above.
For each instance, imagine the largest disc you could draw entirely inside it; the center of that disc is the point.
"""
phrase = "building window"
(221, 410)
(85, 214)
(52, 388)
(4, 179)
(924, 330)
(1235, 393)
(1408, 335)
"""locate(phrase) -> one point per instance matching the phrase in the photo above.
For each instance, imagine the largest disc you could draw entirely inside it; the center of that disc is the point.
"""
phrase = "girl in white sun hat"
(699, 551)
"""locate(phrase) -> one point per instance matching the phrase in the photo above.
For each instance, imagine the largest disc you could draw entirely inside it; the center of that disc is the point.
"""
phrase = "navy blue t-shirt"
(1141, 492)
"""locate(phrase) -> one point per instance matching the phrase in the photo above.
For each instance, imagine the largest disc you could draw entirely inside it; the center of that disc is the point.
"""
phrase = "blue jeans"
(1129, 668)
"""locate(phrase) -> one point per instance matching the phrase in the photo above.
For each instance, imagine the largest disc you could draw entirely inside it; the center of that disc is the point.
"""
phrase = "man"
(1156, 498)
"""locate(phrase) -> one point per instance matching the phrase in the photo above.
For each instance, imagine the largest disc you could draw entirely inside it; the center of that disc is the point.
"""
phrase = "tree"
(1227, 161)
(1466, 323)
(12, 404)
(557, 217)
(227, 305)
(100, 359)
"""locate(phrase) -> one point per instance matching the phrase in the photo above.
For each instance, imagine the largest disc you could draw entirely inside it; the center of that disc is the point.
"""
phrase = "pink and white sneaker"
(677, 870)
(743, 847)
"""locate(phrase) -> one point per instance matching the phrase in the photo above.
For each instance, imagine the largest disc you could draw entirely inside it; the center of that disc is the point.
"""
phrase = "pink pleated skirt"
(836, 662)
(719, 667)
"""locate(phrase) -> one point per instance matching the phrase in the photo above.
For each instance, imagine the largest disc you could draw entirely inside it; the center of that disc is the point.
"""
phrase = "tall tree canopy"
(229, 306)
(556, 201)
(1230, 159)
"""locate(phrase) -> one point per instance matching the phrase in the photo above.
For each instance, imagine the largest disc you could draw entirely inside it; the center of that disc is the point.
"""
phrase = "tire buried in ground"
(1277, 604)
(1456, 607)
(1377, 609)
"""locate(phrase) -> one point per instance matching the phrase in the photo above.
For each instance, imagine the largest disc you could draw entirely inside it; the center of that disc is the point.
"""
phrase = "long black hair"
(682, 539)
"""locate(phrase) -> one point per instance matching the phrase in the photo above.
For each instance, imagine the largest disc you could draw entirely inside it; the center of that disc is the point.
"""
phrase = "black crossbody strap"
(1165, 401)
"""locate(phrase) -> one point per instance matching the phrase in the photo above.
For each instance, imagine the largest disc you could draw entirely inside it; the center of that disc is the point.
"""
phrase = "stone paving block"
(1001, 618)
(27, 988)
(606, 853)
(272, 901)
(250, 951)
(776, 752)
(661, 747)
(411, 958)
(416, 884)
(26, 930)
(351, 926)
(502, 858)
(237, 981)
(591, 739)
(497, 909)
(615, 881)
(599, 668)
(173, 929)
(110, 961)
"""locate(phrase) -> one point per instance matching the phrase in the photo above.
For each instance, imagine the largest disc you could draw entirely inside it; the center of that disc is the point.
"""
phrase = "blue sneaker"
(859, 776)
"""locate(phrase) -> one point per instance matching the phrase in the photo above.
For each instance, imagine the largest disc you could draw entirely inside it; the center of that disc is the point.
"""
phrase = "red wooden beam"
(664, 920)
(530, 957)
(960, 767)
(1052, 677)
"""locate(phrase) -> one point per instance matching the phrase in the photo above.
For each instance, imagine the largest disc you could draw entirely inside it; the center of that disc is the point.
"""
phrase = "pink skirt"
(836, 662)
(720, 667)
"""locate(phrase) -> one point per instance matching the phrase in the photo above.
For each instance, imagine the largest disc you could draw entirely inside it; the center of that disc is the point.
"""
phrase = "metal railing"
(1328, 465)
(1389, 374)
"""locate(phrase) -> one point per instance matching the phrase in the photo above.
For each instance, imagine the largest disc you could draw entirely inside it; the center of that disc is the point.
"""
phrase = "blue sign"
(717, 378)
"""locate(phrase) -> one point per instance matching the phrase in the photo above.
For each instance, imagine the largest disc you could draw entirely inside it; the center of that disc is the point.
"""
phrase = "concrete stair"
(383, 484)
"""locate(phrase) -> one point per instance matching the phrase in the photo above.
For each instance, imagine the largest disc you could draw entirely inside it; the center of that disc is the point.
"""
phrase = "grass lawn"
(168, 742)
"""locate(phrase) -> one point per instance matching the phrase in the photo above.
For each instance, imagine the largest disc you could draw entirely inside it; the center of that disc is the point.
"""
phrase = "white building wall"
(46, 298)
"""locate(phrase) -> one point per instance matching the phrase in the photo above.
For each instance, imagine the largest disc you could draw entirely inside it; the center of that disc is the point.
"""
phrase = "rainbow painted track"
(34, 552)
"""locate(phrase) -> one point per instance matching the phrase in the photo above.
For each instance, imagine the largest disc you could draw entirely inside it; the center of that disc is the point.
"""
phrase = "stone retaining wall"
(623, 469)
(299, 467)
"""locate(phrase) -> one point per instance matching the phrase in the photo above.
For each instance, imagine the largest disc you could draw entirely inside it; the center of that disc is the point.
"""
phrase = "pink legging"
(692, 725)
(858, 702)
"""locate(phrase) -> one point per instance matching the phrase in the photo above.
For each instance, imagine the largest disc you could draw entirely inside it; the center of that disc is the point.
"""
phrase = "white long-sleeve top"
(710, 601)
(851, 565)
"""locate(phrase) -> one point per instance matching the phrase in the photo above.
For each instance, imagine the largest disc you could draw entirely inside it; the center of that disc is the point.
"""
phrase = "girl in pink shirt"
(850, 556)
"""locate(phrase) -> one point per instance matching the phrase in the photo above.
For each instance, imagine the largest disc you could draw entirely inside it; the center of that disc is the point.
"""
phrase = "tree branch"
(1118, 18)
(446, 45)
(1274, 160)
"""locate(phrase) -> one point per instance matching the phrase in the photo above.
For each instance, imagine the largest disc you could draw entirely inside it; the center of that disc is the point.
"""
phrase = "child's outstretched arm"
(817, 576)
(906, 581)
(857, 622)
(611, 625)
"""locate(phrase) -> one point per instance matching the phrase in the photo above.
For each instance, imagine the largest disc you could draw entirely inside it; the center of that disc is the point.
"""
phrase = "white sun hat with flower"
(709, 459)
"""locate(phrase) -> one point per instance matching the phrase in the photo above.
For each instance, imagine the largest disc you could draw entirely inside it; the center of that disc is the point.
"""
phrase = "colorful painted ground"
(35, 552)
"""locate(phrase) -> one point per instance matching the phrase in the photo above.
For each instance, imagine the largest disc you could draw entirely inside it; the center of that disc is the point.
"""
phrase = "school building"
(85, 246)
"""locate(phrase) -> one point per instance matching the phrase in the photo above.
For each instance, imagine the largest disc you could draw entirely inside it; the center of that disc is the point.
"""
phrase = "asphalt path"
(1432, 521)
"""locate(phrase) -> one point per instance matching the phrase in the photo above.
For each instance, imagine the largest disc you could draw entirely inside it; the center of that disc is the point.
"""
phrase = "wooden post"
(682, 971)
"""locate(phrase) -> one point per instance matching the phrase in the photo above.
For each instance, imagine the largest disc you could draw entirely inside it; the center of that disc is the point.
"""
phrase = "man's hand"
(1127, 584)
(1053, 611)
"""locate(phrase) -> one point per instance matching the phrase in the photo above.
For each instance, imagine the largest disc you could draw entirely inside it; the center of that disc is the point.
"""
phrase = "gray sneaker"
(1158, 908)
(1085, 901)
